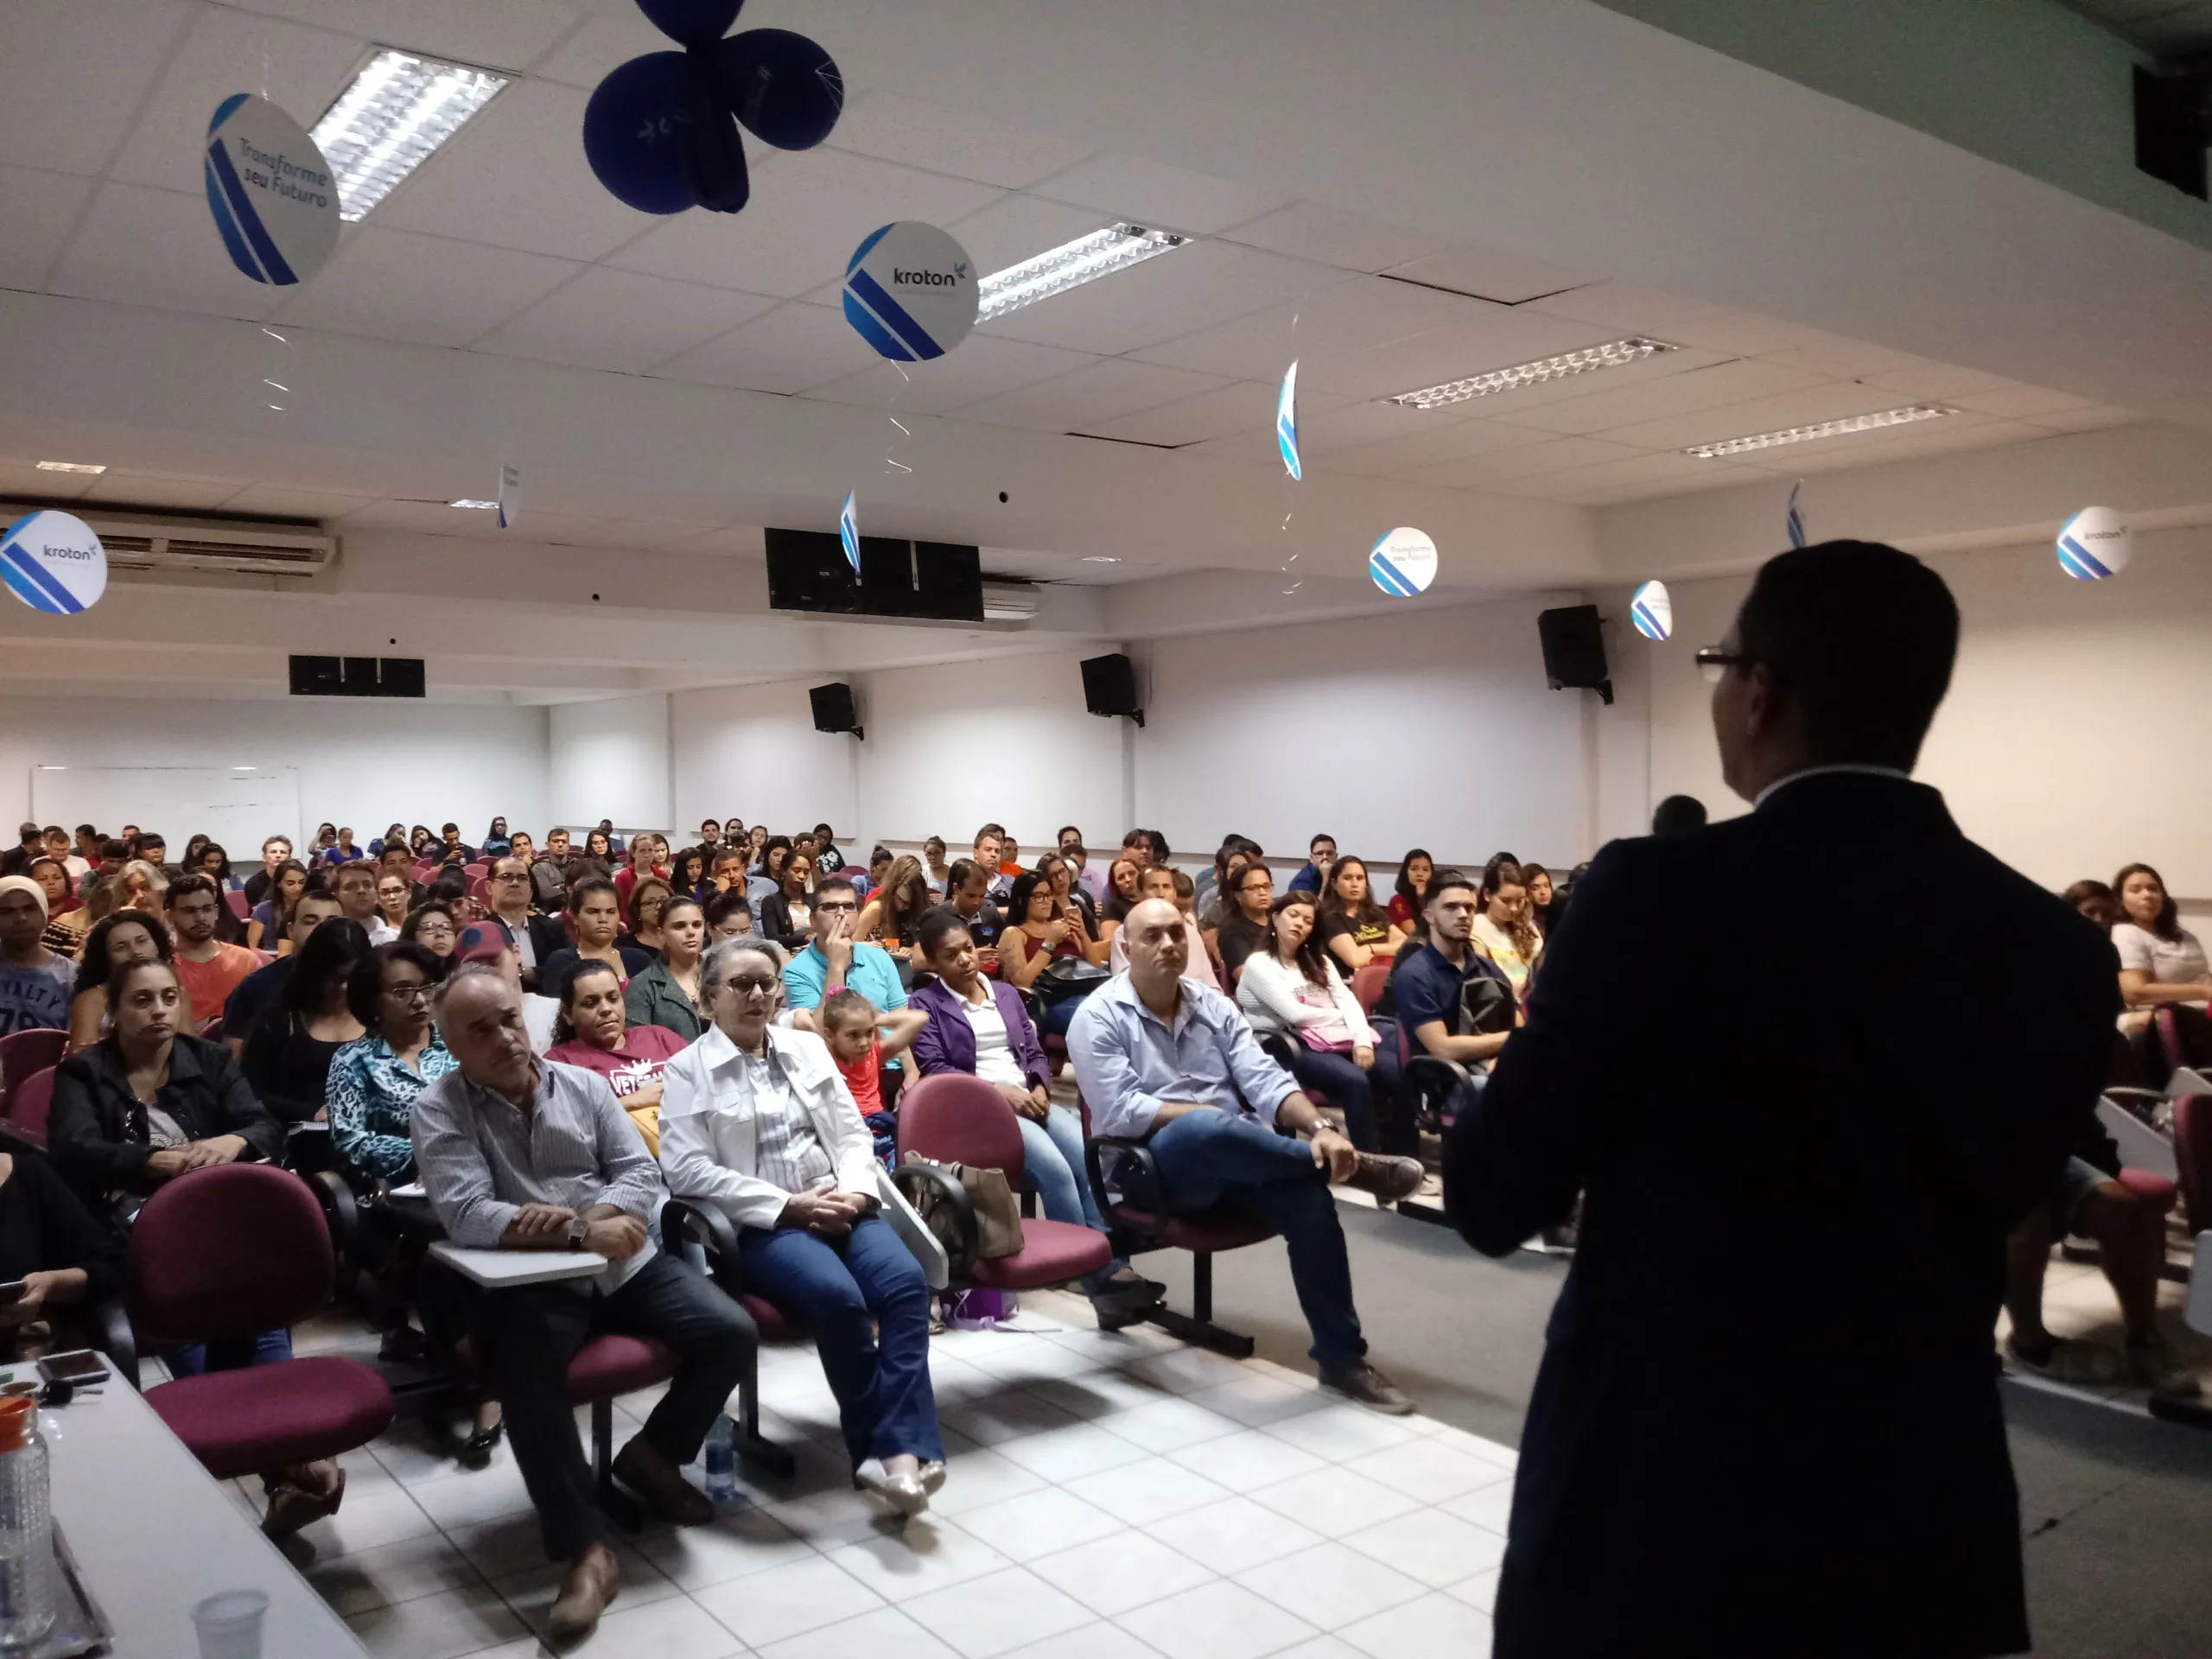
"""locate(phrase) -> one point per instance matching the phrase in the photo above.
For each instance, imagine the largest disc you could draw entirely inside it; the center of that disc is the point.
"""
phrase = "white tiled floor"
(1109, 1496)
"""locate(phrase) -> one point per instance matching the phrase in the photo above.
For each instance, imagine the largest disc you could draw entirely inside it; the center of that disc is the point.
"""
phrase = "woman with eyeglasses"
(648, 901)
(437, 930)
(395, 898)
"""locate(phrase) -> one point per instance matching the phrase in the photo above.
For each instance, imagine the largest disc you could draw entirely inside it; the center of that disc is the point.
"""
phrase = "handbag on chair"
(998, 1215)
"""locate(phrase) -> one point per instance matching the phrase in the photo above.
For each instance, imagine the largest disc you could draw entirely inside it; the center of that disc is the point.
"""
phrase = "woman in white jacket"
(755, 1120)
(1292, 988)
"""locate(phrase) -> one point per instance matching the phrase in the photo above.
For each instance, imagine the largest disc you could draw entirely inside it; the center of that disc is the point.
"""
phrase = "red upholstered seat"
(29, 1105)
(775, 1325)
(1217, 1230)
(23, 1054)
(1367, 985)
(2156, 1189)
(608, 1365)
(1053, 1252)
(241, 1422)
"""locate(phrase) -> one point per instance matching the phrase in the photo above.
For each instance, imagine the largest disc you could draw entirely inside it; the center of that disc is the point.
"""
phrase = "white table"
(153, 1532)
(505, 1270)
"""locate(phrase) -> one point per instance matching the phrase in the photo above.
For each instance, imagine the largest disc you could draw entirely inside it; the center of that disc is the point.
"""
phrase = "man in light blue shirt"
(836, 960)
(1175, 1065)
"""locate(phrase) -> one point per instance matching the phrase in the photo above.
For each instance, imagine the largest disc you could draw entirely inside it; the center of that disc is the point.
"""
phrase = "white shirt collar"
(1815, 771)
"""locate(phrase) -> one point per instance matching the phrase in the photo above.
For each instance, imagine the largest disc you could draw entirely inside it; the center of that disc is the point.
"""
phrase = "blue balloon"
(784, 88)
(637, 134)
(693, 22)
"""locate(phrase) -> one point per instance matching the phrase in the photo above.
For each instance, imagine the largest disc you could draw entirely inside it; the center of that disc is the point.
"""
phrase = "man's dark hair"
(185, 886)
(115, 849)
(726, 905)
(963, 871)
(1677, 816)
(27, 832)
(1444, 881)
(1862, 638)
(1311, 842)
(836, 884)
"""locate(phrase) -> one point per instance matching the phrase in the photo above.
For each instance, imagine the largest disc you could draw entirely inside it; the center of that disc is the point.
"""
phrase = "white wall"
(363, 763)
(751, 751)
(610, 760)
(2073, 738)
(1433, 728)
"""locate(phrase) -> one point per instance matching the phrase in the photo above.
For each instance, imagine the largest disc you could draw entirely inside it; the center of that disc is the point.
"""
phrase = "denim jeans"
(201, 1357)
(1210, 1159)
(1059, 1014)
(1338, 1078)
(866, 1301)
(1051, 1151)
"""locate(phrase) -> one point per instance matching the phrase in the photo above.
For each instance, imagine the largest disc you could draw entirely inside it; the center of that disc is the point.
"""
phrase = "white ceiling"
(504, 245)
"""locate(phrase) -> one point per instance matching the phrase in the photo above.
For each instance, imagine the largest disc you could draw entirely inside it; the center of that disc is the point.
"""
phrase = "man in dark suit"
(1767, 1421)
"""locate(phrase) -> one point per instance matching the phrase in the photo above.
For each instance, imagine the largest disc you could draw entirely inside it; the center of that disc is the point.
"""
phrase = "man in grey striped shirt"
(520, 1152)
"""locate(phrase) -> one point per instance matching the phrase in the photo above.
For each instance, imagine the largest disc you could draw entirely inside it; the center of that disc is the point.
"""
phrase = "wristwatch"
(579, 1229)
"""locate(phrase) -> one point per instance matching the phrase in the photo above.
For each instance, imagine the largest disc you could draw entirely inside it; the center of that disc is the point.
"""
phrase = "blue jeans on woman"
(1059, 1014)
(1362, 1096)
(1051, 1152)
(867, 1304)
(197, 1359)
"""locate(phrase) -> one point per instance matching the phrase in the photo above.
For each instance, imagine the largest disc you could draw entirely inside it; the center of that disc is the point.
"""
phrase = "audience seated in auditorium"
(34, 982)
(1450, 999)
(1321, 858)
(507, 887)
(759, 1124)
(894, 911)
(1158, 882)
(686, 873)
(787, 914)
(1409, 906)
(986, 856)
(209, 970)
(978, 1026)
(865, 1040)
(396, 897)
(2097, 903)
(1290, 986)
(2161, 962)
(1355, 929)
(826, 854)
(667, 991)
(124, 936)
(649, 896)
(452, 849)
(1541, 898)
(648, 857)
(143, 884)
(1060, 872)
(729, 916)
(487, 941)
(30, 843)
(594, 1031)
(1247, 895)
(1501, 929)
(1047, 929)
(375, 1078)
(836, 956)
(355, 885)
(1234, 856)
(215, 863)
(521, 1153)
(67, 921)
(435, 926)
(595, 921)
(935, 867)
(261, 987)
(288, 1052)
(548, 872)
(1174, 1064)
(497, 843)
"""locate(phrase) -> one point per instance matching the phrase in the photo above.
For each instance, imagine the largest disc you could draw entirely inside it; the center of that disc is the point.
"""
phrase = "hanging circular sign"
(54, 563)
(910, 291)
(2093, 544)
(1652, 610)
(1403, 563)
(270, 191)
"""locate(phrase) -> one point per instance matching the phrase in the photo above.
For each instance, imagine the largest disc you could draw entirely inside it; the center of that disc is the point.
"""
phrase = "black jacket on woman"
(44, 1228)
(96, 1131)
(776, 922)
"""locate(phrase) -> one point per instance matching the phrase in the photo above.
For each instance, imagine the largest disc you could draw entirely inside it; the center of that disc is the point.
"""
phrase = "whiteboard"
(238, 807)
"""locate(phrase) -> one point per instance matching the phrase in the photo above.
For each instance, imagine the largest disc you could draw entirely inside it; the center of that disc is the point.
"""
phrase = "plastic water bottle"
(721, 1462)
(25, 1527)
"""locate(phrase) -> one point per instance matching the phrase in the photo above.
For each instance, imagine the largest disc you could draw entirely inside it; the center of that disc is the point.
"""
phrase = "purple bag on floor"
(979, 1310)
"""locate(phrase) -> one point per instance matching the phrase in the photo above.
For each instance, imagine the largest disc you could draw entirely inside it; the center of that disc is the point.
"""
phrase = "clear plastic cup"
(229, 1622)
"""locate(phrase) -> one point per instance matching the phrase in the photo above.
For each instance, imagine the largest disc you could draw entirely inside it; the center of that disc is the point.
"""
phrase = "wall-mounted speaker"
(834, 709)
(1109, 686)
(1574, 650)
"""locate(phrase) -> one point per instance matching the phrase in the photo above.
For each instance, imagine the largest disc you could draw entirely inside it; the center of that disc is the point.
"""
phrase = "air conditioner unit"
(137, 542)
(1011, 601)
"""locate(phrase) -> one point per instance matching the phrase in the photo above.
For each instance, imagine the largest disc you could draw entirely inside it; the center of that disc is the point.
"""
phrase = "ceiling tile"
(160, 490)
(2092, 419)
(490, 34)
(515, 177)
(1605, 402)
(1351, 426)
(793, 348)
(1939, 380)
(1495, 338)
(432, 518)
(612, 36)
(1649, 490)
(622, 320)
(1018, 227)
(1618, 305)
(73, 73)
(397, 285)
(967, 145)
(808, 213)
(1504, 277)
(1240, 407)
(1329, 236)
(1570, 483)
(1079, 401)
(1352, 316)
(1449, 442)
(978, 367)
(1201, 283)
(1523, 460)
(1154, 194)
(1841, 359)
(41, 207)
(22, 479)
(1743, 333)
(1830, 401)
(284, 501)
(2023, 403)
(224, 52)
(157, 248)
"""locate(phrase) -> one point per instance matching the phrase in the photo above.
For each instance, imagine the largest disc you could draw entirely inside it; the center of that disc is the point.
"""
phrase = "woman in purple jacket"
(979, 1026)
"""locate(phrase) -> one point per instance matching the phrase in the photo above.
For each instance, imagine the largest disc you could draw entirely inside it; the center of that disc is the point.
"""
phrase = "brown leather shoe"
(1387, 1177)
(645, 1470)
(594, 1577)
(1368, 1387)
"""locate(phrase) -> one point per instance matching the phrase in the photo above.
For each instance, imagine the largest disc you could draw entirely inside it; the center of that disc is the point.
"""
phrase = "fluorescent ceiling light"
(479, 507)
(399, 109)
(69, 466)
(1069, 265)
(1100, 558)
(1612, 355)
(1904, 416)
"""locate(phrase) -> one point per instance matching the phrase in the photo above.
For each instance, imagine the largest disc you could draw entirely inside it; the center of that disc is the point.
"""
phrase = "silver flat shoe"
(904, 1493)
(933, 1476)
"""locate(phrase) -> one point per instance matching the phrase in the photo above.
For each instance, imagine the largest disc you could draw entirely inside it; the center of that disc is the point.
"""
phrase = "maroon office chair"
(23, 1054)
(1367, 985)
(30, 1104)
(223, 1254)
(236, 898)
(954, 1118)
(604, 1367)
